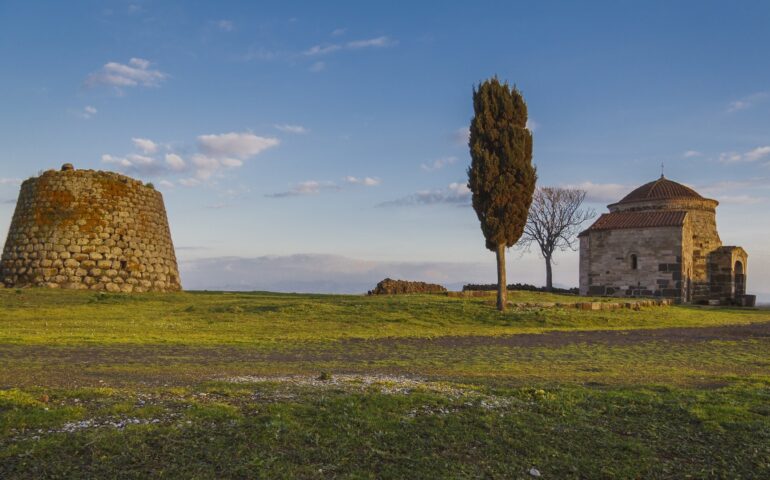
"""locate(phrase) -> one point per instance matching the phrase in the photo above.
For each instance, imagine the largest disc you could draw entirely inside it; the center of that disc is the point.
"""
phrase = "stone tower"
(87, 229)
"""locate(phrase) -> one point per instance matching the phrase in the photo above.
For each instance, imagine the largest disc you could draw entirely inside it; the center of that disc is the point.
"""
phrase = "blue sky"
(330, 135)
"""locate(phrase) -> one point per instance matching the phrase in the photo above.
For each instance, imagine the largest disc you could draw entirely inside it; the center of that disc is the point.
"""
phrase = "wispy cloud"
(532, 125)
(137, 73)
(338, 32)
(322, 49)
(10, 181)
(175, 163)
(692, 154)
(87, 113)
(317, 67)
(461, 136)
(455, 193)
(754, 155)
(308, 187)
(225, 25)
(438, 164)
(257, 53)
(365, 181)
(602, 192)
(737, 192)
(145, 145)
(299, 129)
(327, 48)
(757, 154)
(747, 102)
(378, 42)
(315, 187)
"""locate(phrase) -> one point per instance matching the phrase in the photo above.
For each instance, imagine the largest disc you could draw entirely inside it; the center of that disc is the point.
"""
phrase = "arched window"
(634, 262)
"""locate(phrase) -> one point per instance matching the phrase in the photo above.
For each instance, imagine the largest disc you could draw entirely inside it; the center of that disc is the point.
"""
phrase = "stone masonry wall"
(88, 229)
(705, 240)
(606, 262)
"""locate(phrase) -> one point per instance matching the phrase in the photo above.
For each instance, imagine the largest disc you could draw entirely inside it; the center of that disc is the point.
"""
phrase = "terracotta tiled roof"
(620, 220)
(660, 189)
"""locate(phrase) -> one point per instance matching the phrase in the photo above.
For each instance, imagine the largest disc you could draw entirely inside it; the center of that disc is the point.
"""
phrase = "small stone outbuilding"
(661, 240)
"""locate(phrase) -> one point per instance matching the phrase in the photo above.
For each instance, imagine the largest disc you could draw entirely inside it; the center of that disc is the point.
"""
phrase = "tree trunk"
(548, 275)
(502, 287)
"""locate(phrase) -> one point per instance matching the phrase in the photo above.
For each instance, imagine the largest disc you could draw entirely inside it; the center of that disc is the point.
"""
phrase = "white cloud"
(751, 156)
(309, 187)
(225, 25)
(145, 145)
(10, 181)
(730, 157)
(461, 136)
(337, 32)
(758, 153)
(136, 73)
(438, 164)
(260, 53)
(166, 184)
(738, 105)
(455, 193)
(175, 162)
(327, 48)
(299, 129)
(321, 49)
(136, 164)
(378, 42)
(317, 67)
(532, 125)
(189, 182)
(216, 152)
(87, 112)
(238, 145)
(740, 199)
(746, 102)
(692, 154)
(365, 181)
(602, 192)
(205, 166)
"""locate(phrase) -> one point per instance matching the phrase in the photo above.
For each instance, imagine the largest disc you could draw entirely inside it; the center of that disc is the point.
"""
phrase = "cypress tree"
(501, 176)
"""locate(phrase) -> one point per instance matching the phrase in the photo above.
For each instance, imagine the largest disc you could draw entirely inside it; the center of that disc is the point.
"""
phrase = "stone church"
(661, 240)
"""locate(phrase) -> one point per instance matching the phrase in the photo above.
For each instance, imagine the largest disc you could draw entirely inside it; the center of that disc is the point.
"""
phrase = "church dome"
(660, 189)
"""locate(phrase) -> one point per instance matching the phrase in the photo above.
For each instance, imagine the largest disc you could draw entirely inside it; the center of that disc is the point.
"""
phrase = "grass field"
(263, 385)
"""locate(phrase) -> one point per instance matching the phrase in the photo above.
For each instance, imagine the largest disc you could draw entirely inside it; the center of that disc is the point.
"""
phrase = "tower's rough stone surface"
(87, 229)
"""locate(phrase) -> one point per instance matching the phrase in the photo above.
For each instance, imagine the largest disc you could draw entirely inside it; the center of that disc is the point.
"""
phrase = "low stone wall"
(633, 305)
(401, 287)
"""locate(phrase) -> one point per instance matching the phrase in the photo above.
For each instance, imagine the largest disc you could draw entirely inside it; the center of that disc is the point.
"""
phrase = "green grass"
(262, 385)
(53, 317)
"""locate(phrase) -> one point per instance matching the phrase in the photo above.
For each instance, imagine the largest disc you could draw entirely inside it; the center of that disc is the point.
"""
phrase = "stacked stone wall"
(705, 240)
(88, 229)
(606, 265)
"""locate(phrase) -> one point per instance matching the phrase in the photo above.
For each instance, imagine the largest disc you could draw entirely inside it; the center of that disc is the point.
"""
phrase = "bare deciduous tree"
(554, 221)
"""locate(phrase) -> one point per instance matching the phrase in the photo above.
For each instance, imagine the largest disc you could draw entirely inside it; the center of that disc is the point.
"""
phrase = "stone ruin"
(86, 229)
(400, 287)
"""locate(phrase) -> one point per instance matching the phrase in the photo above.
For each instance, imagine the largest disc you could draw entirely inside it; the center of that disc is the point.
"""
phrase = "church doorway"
(740, 279)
